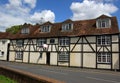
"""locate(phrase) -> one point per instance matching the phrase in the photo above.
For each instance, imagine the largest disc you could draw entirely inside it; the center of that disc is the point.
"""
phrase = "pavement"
(67, 74)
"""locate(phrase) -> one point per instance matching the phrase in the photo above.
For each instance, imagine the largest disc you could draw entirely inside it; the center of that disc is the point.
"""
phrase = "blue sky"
(16, 12)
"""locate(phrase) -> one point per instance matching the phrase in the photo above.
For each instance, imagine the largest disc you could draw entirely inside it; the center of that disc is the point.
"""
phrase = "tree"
(14, 29)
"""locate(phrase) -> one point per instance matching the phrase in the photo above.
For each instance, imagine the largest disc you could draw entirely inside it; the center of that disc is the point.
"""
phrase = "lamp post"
(45, 46)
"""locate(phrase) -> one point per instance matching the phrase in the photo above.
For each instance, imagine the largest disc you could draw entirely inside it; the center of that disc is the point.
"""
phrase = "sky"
(17, 12)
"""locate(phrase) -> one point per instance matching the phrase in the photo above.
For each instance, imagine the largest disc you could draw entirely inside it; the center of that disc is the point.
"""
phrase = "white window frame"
(63, 56)
(103, 40)
(67, 27)
(103, 58)
(103, 23)
(45, 28)
(25, 31)
(40, 42)
(19, 55)
(19, 43)
(64, 41)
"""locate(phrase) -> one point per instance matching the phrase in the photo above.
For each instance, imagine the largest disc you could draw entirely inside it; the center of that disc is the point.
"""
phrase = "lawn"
(4, 79)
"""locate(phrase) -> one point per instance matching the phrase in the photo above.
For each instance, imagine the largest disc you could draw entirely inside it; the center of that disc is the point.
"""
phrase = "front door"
(48, 58)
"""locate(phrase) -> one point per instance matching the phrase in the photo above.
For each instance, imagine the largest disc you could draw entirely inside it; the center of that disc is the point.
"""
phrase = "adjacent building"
(92, 43)
(4, 46)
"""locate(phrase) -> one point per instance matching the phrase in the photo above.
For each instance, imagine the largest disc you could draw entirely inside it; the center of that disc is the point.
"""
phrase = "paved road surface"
(68, 75)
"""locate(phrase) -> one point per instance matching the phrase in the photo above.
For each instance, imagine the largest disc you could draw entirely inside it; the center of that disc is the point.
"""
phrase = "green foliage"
(14, 29)
(4, 79)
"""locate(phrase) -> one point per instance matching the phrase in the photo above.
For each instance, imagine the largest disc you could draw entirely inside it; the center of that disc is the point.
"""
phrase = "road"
(68, 75)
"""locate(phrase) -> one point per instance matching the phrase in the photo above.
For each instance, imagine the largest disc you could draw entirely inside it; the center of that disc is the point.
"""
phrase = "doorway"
(48, 58)
(8, 52)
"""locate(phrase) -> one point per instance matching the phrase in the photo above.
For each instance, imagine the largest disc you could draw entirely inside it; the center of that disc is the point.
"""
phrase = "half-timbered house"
(92, 43)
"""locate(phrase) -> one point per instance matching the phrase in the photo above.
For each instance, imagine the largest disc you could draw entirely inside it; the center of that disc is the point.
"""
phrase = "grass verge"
(4, 79)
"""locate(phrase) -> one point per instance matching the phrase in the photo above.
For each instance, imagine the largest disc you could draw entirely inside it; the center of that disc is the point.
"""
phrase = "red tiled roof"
(5, 35)
(80, 28)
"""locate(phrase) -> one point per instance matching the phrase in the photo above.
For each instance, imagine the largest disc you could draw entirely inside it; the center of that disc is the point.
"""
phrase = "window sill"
(103, 45)
(62, 61)
(104, 63)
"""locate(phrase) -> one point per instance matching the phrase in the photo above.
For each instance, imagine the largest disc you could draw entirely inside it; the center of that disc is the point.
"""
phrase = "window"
(19, 55)
(3, 41)
(40, 42)
(45, 28)
(25, 31)
(64, 41)
(63, 56)
(20, 43)
(103, 23)
(1, 53)
(52, 41)
(104, 58)
(103, 40)
(67, 27)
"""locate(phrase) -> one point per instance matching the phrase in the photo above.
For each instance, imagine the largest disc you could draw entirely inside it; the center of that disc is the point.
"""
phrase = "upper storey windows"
(25, 31)
(67, 27)
(45, 28)
(103, 23)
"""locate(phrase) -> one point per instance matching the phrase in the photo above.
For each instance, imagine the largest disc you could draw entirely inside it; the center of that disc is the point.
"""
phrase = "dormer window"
(25, 31)
(103, 23)
(45, 28)
(67, 27)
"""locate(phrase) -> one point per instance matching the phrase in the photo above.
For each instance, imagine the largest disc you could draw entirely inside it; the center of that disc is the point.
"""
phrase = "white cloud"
(43, 16)
(17, 12)
(91, 9)
(31, 3)
(108, 1)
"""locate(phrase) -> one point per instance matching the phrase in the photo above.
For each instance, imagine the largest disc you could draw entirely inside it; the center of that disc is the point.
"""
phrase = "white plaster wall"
(74, 40)
(52, 47)
(49, 48)
(18, 61)
(53, 58)
(115, 38)
(63, 63)
(108, 47)
(87, 48)
(115, 47)
(104, 66)
(115, 59)
(31, 48)
(34, 58)
(25, 57)
(89, 60)
(11, 48)
(12, 56)
(26, 47)
(76, 48)
(90, 39)
(75, 59)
